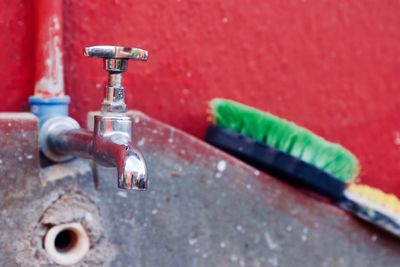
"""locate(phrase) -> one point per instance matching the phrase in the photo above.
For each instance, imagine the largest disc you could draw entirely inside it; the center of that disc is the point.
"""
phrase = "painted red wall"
(331, 66)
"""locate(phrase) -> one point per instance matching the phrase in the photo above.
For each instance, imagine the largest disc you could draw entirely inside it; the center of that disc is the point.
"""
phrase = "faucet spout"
(132, 171)
(118, 151)
(109, 144)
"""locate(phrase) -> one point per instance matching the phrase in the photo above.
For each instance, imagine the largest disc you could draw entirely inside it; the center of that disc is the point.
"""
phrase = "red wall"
(331, 66)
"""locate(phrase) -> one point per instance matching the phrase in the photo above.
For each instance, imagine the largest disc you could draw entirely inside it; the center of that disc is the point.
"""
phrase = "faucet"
(110, 142)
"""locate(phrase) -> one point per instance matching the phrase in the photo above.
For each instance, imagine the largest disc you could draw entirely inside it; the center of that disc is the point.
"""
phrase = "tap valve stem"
(115, 60)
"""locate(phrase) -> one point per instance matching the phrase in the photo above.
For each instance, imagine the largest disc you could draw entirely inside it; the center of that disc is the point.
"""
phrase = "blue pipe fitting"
(46, 108)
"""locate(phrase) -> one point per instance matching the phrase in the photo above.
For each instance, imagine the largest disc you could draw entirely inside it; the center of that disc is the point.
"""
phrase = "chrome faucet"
(109, 144)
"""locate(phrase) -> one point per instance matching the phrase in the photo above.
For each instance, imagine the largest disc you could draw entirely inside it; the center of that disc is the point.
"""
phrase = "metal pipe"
(48, 29)
(77, 142)
(48, 99)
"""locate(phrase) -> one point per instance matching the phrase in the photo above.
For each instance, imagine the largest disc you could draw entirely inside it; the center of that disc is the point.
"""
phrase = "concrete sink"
(203, 208)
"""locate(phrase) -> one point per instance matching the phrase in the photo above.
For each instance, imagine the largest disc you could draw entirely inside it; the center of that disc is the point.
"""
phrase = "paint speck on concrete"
(9, 221)
(89, 217)
(374, 238)
(218, 175)
(171, 136)
(239, 228)
(141, 142)
(20, 158)
(304, 237)
(289, 228)
(294, 212)
(29, 156)
(192, 241)
(272, 245)
(221, 166)
(248, 186)
(123, 194)
(154, 211)
(233, 258)
(222, 244)
(273, 261)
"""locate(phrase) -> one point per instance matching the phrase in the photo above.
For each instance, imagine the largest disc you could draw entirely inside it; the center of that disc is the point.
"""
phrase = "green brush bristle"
(286, 136)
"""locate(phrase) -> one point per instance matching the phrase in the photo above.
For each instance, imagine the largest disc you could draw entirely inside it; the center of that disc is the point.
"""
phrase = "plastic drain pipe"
(49, 99)
(67, 244)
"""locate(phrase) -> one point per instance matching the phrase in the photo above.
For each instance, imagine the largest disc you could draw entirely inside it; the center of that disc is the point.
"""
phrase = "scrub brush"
(300, 157)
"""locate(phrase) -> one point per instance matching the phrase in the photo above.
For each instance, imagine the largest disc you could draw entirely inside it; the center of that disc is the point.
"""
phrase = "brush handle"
(276, 162)
(373, 216)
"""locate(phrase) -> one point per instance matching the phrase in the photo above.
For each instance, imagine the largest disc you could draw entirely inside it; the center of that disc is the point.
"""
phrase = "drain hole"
(67, 244)
(66, 240)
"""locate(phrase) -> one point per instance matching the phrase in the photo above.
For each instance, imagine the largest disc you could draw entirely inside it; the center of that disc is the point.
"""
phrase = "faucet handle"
(122, 52)
(116, 57)
(115, 60)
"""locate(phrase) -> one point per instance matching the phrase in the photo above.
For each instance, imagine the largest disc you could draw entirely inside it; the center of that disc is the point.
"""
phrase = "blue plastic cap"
(48, 108)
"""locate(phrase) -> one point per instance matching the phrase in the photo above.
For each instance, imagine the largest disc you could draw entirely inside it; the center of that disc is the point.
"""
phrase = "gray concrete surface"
(203, 208)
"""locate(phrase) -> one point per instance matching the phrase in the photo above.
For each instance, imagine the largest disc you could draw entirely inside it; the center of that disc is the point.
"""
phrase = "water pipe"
(49, 99)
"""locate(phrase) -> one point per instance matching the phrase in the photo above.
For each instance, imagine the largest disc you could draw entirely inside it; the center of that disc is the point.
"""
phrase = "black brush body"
(276, 162)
